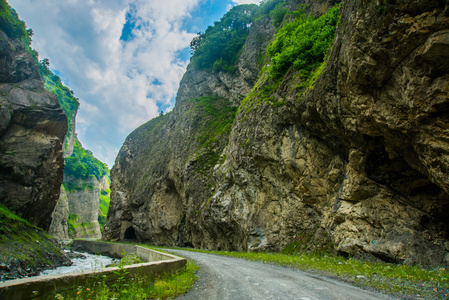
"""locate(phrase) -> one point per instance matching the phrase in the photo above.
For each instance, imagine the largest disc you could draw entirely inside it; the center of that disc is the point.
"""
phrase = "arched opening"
(130, 234)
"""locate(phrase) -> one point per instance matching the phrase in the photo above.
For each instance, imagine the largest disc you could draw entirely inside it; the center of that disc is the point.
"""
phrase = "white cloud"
(238, 2)
(119, 83)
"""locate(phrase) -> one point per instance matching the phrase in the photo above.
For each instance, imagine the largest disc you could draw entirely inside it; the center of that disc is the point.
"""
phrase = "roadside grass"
(401, 280)
(138, 287)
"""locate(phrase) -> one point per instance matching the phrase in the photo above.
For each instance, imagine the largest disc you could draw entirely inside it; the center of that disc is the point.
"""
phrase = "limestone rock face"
(83, 202)
(157, 190)
(358, 165)
(58, 227)
(32, 129)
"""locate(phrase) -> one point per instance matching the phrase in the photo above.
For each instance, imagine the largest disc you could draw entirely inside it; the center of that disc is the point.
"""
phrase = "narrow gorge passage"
(224, 277)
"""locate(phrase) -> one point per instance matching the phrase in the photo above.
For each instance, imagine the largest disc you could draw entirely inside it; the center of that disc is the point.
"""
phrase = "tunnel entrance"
(130, 234)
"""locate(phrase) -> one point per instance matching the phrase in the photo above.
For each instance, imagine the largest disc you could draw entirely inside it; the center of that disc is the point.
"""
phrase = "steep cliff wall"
(32, 129)
(83, 205)
(171, 175)
(355, 162)
(59, 228)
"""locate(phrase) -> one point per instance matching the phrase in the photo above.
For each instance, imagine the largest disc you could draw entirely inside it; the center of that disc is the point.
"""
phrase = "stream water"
(91, 262)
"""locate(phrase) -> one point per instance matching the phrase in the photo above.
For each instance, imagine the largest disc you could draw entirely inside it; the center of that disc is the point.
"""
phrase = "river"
(91, 262)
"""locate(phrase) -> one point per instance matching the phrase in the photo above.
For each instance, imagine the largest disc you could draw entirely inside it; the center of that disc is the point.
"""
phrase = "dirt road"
(231, 278)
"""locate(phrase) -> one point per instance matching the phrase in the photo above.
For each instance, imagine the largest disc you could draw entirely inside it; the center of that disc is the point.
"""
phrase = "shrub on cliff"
(303, 43)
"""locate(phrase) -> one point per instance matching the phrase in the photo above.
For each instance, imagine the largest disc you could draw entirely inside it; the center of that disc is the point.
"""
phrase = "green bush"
(104, 207)
(303, 43)
(278, 13)
(72, 224)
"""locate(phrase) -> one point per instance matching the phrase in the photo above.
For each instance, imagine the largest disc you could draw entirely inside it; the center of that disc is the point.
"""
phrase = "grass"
(23, 242)
(388, 278)
(138, 287)
(217, 116)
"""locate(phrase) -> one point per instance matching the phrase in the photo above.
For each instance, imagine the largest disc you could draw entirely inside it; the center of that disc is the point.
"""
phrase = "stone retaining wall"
(156, 263)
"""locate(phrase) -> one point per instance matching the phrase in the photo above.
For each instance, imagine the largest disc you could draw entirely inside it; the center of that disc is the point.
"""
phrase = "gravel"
(223, 277)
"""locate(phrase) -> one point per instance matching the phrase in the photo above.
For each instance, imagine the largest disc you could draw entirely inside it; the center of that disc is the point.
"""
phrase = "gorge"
(299, 126)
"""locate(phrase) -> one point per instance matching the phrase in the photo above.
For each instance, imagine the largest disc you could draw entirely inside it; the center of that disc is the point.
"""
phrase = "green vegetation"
(218, 48)
(10, 23)
(72, 187)
(21, 241)
(66, 97)
(82, 164)
(389, 278)
(129, 259)
(78, 229)
(72, 224)
(105, 198)
(15, 28)
(300, 46)
(278, 13)
(138, 287)
(317, 242)
(303, 43)
(217, 116)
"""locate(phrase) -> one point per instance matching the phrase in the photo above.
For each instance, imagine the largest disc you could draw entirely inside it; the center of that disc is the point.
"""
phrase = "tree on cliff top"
(218, 48)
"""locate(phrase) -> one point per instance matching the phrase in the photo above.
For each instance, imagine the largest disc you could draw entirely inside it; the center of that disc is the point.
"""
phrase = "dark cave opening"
(130, 234)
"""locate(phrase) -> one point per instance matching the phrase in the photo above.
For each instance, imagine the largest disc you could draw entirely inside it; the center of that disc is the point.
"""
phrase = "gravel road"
(224, 277)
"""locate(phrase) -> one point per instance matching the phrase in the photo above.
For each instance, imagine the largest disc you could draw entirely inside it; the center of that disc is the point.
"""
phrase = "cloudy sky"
(124, 59)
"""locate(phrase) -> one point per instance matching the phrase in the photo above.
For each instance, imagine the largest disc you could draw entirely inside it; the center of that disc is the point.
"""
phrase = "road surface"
(224, 277)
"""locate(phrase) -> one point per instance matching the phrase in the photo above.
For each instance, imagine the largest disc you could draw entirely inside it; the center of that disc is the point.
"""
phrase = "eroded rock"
(32, 129)
(358, 165)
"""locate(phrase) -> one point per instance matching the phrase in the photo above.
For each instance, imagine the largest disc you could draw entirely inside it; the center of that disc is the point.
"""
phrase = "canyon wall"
(355, 164)
(32, 129)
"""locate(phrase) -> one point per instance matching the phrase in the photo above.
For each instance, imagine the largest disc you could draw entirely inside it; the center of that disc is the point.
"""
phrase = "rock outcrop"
(32, 129)
(83, 205)
(357, 165)
(59, 228)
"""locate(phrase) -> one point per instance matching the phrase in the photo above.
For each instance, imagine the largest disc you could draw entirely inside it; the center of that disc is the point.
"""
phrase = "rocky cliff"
(32, 129)
(83, 206)
(355, 162)
(59, 227)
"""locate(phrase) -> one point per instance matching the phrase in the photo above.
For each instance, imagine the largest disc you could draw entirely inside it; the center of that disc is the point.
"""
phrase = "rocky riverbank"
(26, 250)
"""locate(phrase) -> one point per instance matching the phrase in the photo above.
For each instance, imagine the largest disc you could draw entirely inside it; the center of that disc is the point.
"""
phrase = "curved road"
(224, 277)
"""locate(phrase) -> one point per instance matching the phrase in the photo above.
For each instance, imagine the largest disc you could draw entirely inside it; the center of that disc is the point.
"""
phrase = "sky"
(123, 59)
